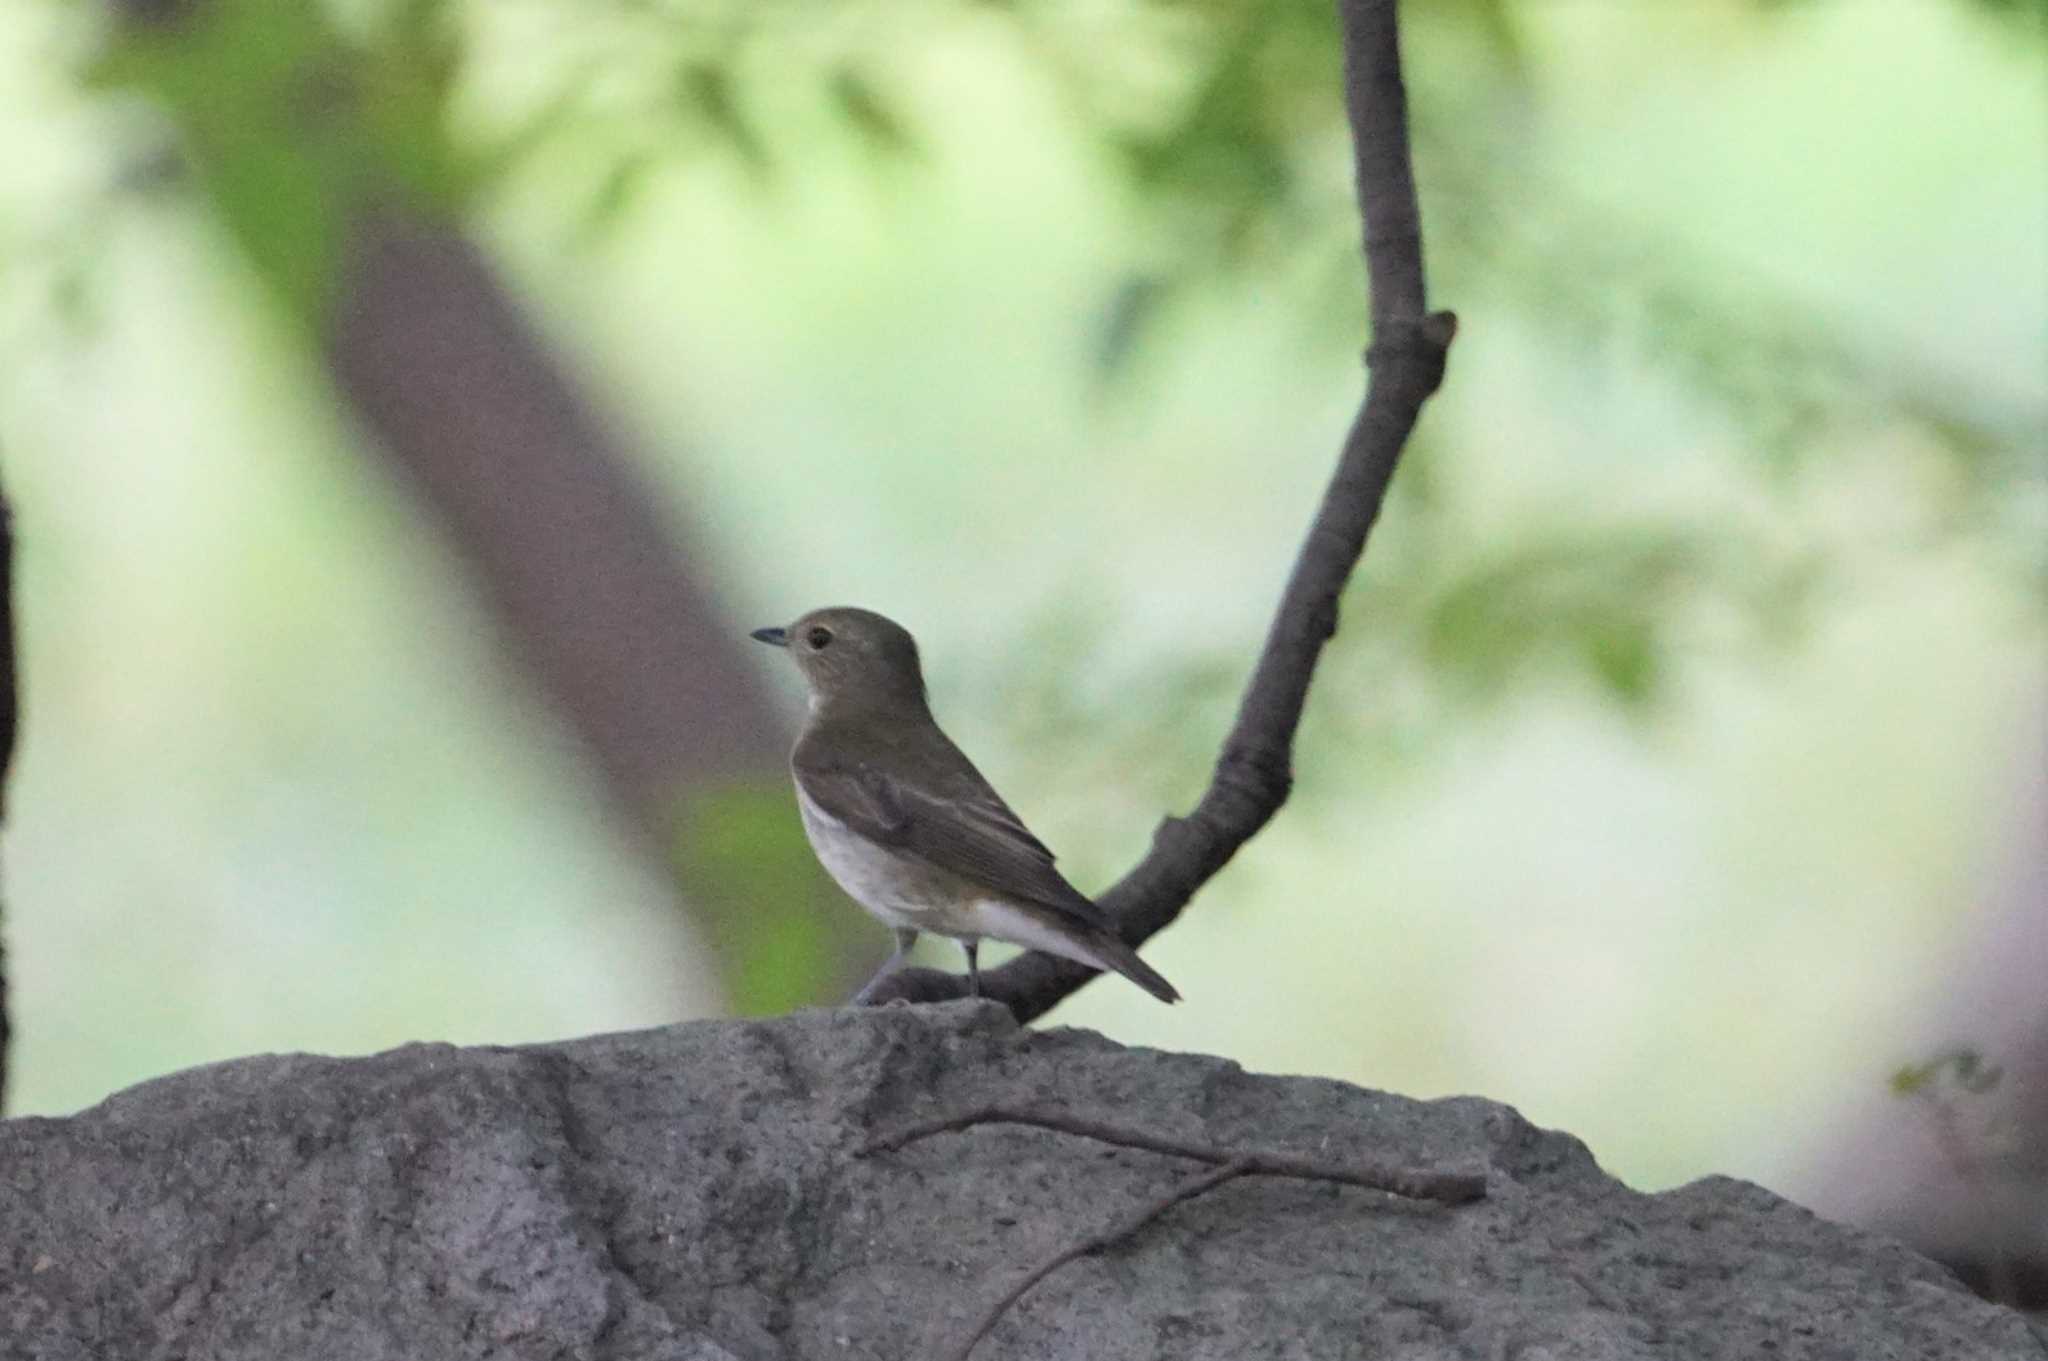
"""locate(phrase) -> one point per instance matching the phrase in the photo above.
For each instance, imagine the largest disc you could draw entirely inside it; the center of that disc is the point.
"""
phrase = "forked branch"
(1255, 769)
(1448, 1188)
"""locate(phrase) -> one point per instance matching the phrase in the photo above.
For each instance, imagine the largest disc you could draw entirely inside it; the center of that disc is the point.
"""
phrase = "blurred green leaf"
(294, 130)
(622, 184)
(782, 933)
(1600, 598)
(1625, 656)
(1966, 1068)
(858, 100)
(710, 90)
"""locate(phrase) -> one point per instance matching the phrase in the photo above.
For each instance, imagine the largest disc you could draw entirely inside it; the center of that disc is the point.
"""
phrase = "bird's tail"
(1038, 927)
(1114, 954)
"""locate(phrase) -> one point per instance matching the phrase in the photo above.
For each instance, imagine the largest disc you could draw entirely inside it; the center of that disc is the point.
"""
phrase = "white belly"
(916, 898)
(871, 876)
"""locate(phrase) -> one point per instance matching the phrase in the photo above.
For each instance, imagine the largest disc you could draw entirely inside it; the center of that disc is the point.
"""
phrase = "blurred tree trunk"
(596, 598)
(326, 157)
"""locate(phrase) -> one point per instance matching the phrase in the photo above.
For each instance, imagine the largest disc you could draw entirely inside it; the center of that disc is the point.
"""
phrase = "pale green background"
(277, 792)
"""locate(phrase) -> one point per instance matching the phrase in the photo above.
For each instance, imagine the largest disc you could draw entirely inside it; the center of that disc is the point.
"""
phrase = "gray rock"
(689, 1194)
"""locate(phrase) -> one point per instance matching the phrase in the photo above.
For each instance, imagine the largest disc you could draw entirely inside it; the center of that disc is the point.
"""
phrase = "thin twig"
(1109, 1237)
(8, 716)
(1449, 1188)
(1255, 769)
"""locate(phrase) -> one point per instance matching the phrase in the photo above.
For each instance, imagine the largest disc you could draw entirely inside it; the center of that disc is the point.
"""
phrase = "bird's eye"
(818, 637)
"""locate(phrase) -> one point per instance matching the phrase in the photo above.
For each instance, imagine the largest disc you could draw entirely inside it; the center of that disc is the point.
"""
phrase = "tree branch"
(1255, 769)
(8, 712)
(1450, 1188)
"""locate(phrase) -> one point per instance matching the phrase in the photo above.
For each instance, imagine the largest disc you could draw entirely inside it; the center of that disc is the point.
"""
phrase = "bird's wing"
(964, 828)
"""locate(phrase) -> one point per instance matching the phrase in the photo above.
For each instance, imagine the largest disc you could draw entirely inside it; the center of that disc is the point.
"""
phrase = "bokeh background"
(1683, 742)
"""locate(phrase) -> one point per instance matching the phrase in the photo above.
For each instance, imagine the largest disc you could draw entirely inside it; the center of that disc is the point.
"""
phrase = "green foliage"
(1761, 358)
(2032, 13)
(1223, 120)
(708, 88)
(1965, 1069)
(1436, 630)
(1599, 599)
(781, 935)
(1222, 117)
(859, 100)
(295, 130)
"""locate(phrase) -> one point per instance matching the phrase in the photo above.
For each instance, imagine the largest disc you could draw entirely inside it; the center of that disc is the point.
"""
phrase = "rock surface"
(690, 1194)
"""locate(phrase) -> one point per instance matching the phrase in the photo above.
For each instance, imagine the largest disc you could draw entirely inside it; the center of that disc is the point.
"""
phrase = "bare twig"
(1450, 1188)
(1255, 770)
(7, 721)
(1107, 1238)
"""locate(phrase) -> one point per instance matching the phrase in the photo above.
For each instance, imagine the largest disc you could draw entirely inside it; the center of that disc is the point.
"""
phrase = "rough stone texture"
(688, 1194)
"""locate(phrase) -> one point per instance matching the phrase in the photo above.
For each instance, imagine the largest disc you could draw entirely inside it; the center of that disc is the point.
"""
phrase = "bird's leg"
(905, 938)
(973, 949)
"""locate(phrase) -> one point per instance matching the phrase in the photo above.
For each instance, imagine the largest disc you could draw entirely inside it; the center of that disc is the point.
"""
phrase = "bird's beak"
(772, 637)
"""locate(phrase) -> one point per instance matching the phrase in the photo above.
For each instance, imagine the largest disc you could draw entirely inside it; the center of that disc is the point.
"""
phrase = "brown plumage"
(907, 825)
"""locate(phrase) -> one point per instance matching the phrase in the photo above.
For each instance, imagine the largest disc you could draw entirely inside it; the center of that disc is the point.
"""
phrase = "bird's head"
(852, 659)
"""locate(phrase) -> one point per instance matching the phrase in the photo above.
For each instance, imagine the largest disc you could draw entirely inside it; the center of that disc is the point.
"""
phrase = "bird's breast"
(899, 890)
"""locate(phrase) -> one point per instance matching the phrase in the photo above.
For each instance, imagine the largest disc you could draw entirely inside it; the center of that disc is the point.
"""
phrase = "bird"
(903, 821)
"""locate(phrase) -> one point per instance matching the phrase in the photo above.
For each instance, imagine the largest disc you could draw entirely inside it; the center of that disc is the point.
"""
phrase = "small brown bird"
(905, 822)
